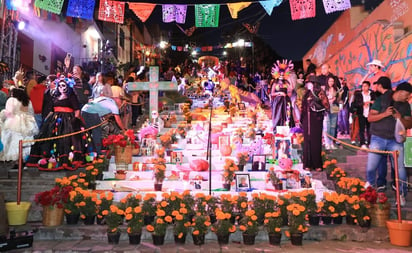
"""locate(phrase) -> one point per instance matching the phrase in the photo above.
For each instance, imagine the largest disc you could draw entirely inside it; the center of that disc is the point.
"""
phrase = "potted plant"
(297, 224)
(53, 202)
(200, 225)
(223, 227)
(149, 208)
(313, 208)
(91, 174)
(242, 159)
(159, 169)
(122, 144)
(333, 206)
(134, 218)
(273, 223)
(274, 179)
(380, 207)
(159, 226)
(103, 203)
(350, 186)
(113, 218)
(337, 174)
(181, 226)
(241, 204)
(227, 205)
(329, 165)
(229, 170)
(88, 207)
(249, 226)
(72, 206)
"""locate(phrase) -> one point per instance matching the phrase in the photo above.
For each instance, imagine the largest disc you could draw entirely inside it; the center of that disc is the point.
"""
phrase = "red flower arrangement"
(56, 197)
(374, 197)
(122, 140)
(269, 138)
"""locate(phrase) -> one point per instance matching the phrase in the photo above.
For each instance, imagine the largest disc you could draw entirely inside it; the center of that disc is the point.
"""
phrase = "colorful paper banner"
(207, 15)
(111, 11)
(174, 12)
(269, 5)
(301, 9)
(54, 6)
(81, 9)
(142, 10)
(334, 5)
(234, 8)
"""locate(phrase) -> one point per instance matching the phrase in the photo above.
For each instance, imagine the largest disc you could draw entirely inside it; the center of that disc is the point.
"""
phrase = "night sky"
(290, 39)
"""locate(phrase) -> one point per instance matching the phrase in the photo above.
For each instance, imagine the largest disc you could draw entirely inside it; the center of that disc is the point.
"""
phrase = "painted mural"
(377, 41)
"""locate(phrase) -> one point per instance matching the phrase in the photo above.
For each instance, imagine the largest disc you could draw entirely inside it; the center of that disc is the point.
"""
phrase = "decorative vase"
(198, 239)
(89, 220)
(350, 220)
(226, 186)
(327, 220)
(158, 239)
(400, 233)
(338, 220)
(181, 240)
(148, 219)
(248, 239)
(278, 186)
(365, 225)
(314, 220)
(134, 238)
(113, 238)
(241, 167)
(158, 187)
(52, 216)
(72, 219)
(296, 239)
(223, 239)
(379, 216)
(275, 238)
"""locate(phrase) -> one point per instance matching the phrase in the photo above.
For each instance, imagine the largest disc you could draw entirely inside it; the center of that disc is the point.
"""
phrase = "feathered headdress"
(69, 80)
(282, 70)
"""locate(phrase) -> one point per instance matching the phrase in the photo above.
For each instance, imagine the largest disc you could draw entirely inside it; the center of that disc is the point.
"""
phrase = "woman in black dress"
(312, 122)
(63, 153)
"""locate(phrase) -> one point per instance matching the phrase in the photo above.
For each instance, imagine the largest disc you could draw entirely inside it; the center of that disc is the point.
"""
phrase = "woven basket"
(123, 155)
(52, 216)
(378, 216)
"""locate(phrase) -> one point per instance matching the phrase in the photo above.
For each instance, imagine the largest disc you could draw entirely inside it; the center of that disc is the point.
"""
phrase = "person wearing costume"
(62, 153)
(17, 123)
(282, 109)
(314, 106)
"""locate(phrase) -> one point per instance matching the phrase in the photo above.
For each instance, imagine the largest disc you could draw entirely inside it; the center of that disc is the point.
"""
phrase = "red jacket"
(36, 97)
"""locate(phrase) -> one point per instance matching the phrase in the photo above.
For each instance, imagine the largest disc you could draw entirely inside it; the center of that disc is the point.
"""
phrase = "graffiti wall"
(348, 47)
(377, 42)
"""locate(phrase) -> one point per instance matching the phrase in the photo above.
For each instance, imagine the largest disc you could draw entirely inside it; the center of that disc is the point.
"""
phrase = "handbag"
(400, 132)
(334, 109)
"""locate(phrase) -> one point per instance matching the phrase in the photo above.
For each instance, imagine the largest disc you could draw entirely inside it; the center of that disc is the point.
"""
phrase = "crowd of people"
(318, 101)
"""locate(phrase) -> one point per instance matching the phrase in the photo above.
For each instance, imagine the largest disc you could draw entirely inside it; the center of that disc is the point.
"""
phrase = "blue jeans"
(343, 120)
(375, 160)
(329, 127)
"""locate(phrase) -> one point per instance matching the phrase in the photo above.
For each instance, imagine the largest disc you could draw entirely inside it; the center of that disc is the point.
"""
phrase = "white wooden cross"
(153, 86)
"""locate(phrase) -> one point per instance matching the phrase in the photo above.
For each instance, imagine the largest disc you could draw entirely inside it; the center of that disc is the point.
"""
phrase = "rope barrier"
(66, 135)
(359, 148)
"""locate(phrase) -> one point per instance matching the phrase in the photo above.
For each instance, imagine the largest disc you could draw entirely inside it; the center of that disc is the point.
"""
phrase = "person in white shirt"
(364, 125)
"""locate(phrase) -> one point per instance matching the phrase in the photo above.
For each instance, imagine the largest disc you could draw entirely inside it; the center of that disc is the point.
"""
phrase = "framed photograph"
(242, 181)
(259, 163)
(282, 148)
(176, 157)
(224, 140)
(241, 106)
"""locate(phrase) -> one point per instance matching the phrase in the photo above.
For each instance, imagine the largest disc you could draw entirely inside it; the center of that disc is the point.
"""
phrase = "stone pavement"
(212, 247)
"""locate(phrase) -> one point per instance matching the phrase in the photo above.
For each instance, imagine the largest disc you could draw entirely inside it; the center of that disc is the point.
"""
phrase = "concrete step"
(99, 233)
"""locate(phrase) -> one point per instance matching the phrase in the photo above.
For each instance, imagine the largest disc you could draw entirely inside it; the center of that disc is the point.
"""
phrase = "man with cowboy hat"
(374, 71)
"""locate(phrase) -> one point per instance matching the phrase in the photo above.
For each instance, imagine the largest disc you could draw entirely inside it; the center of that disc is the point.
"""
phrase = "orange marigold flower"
(196, 232)
(150, 228)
